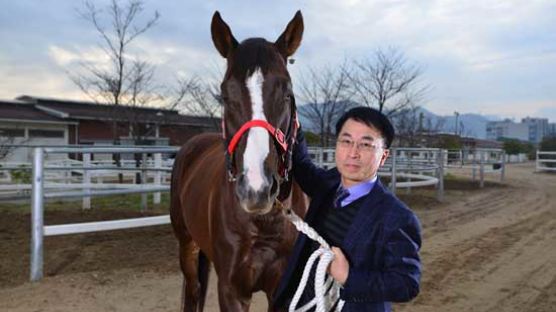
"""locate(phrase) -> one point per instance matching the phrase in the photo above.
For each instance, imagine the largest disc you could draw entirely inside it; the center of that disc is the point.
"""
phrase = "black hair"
(372, 118)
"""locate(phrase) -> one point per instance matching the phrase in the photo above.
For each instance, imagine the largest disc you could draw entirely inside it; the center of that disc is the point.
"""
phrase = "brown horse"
(227, 193)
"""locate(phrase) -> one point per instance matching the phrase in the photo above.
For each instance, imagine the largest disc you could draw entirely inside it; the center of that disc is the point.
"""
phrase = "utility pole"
(457, 124)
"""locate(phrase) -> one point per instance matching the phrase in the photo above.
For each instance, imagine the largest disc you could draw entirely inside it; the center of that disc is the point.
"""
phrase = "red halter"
(275, 132)
(279, 137)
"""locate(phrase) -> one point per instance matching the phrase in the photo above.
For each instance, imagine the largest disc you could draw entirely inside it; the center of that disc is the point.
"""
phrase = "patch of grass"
(127, 202)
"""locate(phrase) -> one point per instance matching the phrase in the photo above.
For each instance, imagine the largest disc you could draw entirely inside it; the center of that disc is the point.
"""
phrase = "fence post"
(37, 216)
(482, 170)
(393, 176)
(157, 176)
(440, 187)
(86, 179)
(503, 166)
(143, 181)
(409, 168)
(537, 169)
(474, 162)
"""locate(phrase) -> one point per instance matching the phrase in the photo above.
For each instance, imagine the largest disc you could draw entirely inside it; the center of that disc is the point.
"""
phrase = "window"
(42, 133)
(12, 133)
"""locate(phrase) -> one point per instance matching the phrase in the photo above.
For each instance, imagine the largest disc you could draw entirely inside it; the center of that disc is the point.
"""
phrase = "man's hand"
(339, 267)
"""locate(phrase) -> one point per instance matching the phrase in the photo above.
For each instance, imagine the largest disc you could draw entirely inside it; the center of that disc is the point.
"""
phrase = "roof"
(17, 110)
(49, 109)
(481, 143)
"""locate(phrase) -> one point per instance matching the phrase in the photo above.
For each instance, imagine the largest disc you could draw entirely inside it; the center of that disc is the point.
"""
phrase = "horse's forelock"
(253, 54)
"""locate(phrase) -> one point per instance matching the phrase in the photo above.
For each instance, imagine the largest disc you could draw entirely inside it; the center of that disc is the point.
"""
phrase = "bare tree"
(433, 127)
(127, 80)
(6, 147)
(386, 81)
(9, 137)
(202, 96)
(413, 129)
(324, 92)
(407, 125)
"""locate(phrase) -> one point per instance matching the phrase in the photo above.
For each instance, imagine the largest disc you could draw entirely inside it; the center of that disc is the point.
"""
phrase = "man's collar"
(359, 190)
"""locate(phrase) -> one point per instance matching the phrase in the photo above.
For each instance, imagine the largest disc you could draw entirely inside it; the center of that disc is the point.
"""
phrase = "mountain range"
(470, 125)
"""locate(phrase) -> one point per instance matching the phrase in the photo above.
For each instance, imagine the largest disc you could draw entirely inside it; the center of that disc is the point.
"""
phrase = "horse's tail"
(204, 272)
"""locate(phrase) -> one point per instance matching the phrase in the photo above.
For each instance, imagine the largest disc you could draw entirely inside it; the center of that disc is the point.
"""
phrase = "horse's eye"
(287, 98)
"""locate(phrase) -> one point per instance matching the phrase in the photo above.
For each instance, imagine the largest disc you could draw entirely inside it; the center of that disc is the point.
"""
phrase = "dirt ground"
(490, 249)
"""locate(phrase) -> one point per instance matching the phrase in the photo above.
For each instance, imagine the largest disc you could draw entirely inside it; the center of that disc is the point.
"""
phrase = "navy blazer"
(382, 244)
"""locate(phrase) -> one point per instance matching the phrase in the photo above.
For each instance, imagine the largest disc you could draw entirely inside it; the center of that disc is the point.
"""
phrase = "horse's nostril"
(241, 179)
(241, 186)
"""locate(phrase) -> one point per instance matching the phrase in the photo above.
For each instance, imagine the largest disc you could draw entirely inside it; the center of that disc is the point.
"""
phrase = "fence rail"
(39, 229)
(546, 161)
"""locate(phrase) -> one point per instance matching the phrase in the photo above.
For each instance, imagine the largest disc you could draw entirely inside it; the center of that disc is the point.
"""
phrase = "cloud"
(478, 56)
(62, 56)
(88, 55)
(43, 81)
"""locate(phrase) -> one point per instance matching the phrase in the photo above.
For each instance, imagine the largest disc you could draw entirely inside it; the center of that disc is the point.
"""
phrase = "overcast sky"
(487, 57)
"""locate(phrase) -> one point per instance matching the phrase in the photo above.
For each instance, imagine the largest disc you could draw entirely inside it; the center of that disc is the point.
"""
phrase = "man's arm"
(306, 173)
(399, 281)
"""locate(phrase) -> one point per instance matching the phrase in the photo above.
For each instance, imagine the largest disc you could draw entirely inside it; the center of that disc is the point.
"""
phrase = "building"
(507, 129)
(552, 129)
(537, 127)
(531, 130)
(448, 141)
(43, 121)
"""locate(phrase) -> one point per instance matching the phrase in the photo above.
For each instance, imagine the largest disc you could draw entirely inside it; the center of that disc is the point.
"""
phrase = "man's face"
(360, 151)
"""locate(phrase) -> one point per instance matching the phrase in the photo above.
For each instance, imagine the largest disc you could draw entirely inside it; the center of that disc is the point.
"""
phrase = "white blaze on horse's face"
(257, 147)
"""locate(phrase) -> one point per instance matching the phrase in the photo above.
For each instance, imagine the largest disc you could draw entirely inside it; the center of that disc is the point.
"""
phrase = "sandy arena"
(483, 250)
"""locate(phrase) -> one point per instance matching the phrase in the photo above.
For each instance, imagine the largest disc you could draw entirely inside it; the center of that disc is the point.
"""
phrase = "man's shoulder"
(329, 178)
(395, 210)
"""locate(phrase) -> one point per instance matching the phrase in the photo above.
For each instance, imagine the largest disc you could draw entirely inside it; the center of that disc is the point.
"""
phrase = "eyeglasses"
(361, 146)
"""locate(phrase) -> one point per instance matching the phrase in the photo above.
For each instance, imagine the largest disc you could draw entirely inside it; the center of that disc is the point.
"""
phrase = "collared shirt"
(359, 190)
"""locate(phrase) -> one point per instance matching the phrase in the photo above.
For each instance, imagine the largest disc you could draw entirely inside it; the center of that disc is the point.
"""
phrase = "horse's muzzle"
(258, 201)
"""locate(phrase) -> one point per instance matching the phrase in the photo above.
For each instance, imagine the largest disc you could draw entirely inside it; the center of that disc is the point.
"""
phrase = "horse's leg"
(271, 308)
(204, 273)
(271, 277)
(189, 261)
(229, 298)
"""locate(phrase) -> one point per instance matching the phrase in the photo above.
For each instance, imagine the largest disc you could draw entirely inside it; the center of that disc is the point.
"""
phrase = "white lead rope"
(327, 291)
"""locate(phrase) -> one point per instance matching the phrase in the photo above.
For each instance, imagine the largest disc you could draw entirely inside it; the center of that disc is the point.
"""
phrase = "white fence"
(39, 230)
(517, 158)
(546, 161)
(479, 161)
(406, 167)
(65, 174)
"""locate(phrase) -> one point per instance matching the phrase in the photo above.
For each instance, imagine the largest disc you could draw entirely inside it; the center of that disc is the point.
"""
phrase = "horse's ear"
(222, 36)
(290, 39)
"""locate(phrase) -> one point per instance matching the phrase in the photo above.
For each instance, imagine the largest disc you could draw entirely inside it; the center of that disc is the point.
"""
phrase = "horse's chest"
(261, 261)
(262, 243)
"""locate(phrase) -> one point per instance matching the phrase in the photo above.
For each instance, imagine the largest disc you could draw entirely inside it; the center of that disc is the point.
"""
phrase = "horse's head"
(259, 120)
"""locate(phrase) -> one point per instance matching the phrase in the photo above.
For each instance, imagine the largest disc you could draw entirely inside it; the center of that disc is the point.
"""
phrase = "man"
(376, 237)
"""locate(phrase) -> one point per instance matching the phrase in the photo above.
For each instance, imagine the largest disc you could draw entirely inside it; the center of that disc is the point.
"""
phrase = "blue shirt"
(358, 190)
